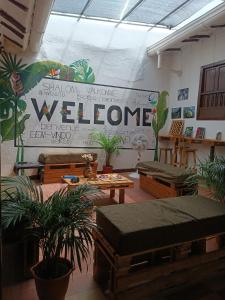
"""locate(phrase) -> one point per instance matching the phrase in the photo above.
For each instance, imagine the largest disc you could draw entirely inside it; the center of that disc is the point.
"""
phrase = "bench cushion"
(165, 172)
(63, 158)
(135, 227)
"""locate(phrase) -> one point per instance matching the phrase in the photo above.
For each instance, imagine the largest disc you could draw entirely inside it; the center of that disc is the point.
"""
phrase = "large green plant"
(108, 143)
(159, 119)
(63, 221)
(213, 174)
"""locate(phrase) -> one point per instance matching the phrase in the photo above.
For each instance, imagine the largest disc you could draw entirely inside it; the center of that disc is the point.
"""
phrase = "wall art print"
(183, 94)
(56, 105)
(200, 133)
(176, 113)
(189, 112)
(188, 131)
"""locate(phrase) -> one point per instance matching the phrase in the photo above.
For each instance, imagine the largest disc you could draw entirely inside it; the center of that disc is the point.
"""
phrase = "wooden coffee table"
(110, 182)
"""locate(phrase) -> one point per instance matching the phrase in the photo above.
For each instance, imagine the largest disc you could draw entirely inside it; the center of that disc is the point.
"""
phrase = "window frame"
(200, 93)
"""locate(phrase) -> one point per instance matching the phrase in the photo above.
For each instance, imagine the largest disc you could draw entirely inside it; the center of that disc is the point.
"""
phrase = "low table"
(106, 182)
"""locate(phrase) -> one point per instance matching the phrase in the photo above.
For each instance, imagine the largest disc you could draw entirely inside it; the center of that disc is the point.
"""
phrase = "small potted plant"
(63, 227)
(110, 145)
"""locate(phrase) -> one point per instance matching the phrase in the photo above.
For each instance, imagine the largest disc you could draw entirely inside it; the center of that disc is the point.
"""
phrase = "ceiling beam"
(130, 11)
(170, 13)
(84, 9)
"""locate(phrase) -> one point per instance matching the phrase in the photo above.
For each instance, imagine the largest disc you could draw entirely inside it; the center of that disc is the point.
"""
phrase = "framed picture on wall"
(183, 94)
(176, 113)
(188, 131)
(200, 133)
(189, 112)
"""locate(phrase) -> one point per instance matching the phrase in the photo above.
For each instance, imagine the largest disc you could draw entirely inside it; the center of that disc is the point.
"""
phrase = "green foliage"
(63, 220)
(10, 64)
(213, 173)
(8, 126)
(159, 119)
(82, 71)
(109, 144)
(33, 73)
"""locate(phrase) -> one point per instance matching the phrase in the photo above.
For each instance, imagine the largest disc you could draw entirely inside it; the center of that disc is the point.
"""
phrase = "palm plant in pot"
(110, 144)
(63, 227)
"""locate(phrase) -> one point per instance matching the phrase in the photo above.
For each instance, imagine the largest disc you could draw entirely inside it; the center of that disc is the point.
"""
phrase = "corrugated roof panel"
(161, 12)
(69, 6)
(110, 9)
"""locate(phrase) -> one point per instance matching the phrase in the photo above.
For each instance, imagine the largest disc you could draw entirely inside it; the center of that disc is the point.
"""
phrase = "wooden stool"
(185, 156)
(165, 151)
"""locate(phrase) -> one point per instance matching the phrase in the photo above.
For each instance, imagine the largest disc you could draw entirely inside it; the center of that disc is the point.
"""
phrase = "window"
(211, 98)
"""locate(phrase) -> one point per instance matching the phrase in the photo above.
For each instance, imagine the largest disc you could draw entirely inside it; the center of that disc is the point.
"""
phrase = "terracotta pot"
(52, 288)
(107, 169)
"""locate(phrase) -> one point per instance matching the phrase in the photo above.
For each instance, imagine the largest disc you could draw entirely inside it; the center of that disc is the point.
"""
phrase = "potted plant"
(19, 249)
(63, 227)
(110, 144)
(213, 175)
(160, 113)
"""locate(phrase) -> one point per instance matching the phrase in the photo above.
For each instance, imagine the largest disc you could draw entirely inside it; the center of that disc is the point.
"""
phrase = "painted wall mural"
(49, 104)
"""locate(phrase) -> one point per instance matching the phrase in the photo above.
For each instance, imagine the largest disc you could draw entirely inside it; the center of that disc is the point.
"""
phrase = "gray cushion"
(156, 223)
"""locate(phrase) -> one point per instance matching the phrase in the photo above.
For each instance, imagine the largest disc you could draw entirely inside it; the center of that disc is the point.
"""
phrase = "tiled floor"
(83, 287)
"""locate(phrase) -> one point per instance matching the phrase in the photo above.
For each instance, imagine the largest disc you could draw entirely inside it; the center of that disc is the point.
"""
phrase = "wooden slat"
(156, 188)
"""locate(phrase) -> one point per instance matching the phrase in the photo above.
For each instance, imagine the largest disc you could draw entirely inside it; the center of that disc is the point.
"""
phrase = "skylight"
(171, 14)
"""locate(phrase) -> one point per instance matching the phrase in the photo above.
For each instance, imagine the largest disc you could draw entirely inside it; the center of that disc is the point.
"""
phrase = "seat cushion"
(165, 172)
(63, 158)
(135, 227)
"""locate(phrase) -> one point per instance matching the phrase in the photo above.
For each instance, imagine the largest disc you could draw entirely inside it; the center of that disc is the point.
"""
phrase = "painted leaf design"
(8, 127)
(154, 126)
(21, 104)
(5, 89)
(163, 118)
(6, 106)
(33, 74)
(66, 73)
(162, 110)
(83, 72)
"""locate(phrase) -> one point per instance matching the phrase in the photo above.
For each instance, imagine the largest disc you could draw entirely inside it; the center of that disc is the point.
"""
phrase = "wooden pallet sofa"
(58, 165)
(163, 180)
(144, 248)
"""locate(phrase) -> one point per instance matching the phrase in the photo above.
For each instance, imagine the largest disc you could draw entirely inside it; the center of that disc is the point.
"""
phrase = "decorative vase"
(88, 173)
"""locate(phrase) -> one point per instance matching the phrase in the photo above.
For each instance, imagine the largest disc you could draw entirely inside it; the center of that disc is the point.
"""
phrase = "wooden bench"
(144, 274)
(163, 180)
(145, 248)
(57, 165)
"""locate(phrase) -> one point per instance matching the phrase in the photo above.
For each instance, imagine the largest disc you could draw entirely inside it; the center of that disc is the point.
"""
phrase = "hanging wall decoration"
(183, 94)
(189, 112)
(176, 113)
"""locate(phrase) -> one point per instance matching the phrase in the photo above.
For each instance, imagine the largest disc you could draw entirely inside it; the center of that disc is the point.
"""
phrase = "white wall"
(117, 56)
(191, 58)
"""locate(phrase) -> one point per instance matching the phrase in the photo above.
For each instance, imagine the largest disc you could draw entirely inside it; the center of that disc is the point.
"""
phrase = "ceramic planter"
(107, 169)
(52, 288)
